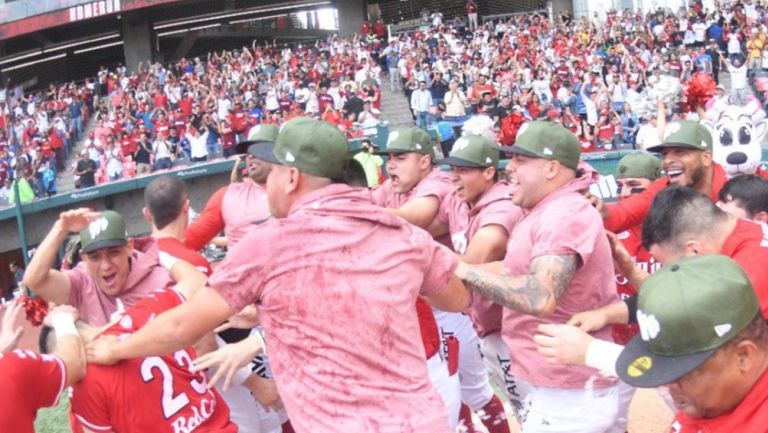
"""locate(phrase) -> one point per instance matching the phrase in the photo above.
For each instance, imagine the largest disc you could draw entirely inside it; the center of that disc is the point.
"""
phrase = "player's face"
(632, 185)
(471, 183)
(279, 183)
(526, 175)
(257, 169)
(109, 268)
(405, 170)
(710, 389)
(685, 167)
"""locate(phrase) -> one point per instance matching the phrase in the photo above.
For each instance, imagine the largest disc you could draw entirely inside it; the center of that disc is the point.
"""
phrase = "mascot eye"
(726, 138)
(744, 136)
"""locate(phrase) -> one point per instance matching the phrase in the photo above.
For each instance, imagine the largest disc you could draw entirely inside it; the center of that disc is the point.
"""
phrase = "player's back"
(154, 394)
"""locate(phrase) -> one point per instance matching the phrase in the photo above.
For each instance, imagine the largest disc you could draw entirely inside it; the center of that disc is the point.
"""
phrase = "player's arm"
(69, 346)
(188, 279)
(627, 213)
(454, 298)
(208, 224)
(172, 330)
(420, 211)
(49, 283)
(536, 293)
(487, 245)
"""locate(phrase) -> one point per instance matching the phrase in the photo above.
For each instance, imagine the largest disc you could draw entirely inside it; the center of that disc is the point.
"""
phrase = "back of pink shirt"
(96, 307)
(243, 207)
(495, 207)
(336, 298)
(563, 223)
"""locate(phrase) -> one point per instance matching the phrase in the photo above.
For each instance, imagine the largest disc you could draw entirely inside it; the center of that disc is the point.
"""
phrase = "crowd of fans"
(590, 74)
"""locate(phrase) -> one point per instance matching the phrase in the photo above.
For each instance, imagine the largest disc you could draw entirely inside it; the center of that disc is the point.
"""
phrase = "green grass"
(54, 419)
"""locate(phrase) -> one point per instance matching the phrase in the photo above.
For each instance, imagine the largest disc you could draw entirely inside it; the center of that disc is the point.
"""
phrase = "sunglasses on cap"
(635, 190)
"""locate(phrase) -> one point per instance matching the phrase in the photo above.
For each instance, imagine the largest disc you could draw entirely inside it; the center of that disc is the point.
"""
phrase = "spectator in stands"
(421, 100)
(143, 153)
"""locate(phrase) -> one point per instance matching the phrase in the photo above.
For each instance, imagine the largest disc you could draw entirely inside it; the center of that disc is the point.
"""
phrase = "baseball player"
(342, 261)
(479, 215)
(31, 381)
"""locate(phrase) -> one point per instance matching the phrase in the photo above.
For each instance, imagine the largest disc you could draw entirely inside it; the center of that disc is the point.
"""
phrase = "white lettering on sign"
(94, 9)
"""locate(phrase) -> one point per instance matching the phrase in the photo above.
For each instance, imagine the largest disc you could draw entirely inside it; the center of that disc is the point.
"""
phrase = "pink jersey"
(437, 184)
(562, 223)
(30, 381)
(243, 207)
(495, 207)
(96, 307)
(337, 305)
(152, 394)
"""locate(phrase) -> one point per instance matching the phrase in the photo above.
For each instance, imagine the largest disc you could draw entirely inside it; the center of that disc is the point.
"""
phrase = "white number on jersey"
(172, 404)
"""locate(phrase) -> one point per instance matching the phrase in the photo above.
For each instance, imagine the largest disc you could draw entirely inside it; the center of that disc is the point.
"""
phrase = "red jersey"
(177, 249)
(748, 245)
(153, 394)
(29, 381)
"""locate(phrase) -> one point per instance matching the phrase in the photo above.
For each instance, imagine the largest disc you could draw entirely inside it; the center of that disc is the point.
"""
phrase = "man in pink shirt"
(238, 207)
(111, 271)
(479, 215)
(336, 302)
(558, 262)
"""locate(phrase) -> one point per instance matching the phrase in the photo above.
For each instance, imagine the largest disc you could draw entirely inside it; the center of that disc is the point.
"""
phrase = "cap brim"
(107, 243)
(659, 147)
(459, 162)
(517, 151)
(263, 151)
(639, 367)
(395, 151)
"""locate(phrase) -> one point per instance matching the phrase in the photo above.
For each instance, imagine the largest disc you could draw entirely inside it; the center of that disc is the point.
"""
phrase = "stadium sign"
(93, 9)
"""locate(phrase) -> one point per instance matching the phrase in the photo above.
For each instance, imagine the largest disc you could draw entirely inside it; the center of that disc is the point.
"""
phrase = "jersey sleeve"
(503, 213)
(437, 262)
(89, 402)
(558, 234)
(40, 379)
(632, 210)
(208, 224)
(240, 277)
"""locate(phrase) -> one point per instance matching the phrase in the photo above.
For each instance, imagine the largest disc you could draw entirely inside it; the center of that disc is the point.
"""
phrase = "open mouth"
(109, 278)
(395, 178)
(674, 173)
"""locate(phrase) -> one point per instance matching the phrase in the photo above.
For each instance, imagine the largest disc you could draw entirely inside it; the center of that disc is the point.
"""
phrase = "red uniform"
(29, 381)
(153, 394)
(632, 211)
(177, 249)
(748, 245)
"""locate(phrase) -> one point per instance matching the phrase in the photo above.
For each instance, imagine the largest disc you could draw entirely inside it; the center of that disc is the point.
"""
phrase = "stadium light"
(23, 56)
(34, 62)
(82, 42)
(99, 47)
(173, 32)
(285, 6)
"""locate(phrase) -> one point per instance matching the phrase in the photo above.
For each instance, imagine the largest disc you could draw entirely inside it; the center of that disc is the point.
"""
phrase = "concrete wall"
(129, 204)
(137, 39)
(351, 15)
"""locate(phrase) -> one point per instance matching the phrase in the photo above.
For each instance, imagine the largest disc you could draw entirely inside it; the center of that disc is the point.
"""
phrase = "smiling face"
(258, 170)
(686, 167)
(406, 170)
(471, 183)
(109, 268)
(527, 175)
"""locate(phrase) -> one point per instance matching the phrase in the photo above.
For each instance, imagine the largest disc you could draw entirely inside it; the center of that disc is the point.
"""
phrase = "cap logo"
(460, 144)
(723, 329)
(522, 129)
(649, 325)
(97, 226)
(640, 366)
(418, 146)
(703, 143)
(289, 157)
(671, 129)
(488, 160)
(622, 169)
(548, 151)
(392, 137)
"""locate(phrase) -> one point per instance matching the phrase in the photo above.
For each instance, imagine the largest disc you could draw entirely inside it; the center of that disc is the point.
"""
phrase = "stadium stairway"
(394, 107)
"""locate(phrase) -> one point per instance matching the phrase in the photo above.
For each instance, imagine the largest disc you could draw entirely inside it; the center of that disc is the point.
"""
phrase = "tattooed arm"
(536, 293)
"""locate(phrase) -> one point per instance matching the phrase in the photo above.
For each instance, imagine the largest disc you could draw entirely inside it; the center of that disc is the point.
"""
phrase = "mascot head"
(737, 132)
(479, 125)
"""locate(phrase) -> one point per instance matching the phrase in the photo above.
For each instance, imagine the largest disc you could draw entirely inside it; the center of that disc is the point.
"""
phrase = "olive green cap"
(108, 230)
(409, 139)
(264, 132)
(312, 146)
(686, 311)
(687, 134)
(639, 164)
(473, 151)
(548, 140)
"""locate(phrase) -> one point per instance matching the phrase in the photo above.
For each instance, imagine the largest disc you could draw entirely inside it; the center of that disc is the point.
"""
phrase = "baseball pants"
(496, 358)
(558, 410)
(447, 387)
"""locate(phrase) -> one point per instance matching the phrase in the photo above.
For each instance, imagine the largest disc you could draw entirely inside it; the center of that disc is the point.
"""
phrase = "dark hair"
(749, 191)
(756, 331)
(678, 210)
(44, 341)
(165, 198)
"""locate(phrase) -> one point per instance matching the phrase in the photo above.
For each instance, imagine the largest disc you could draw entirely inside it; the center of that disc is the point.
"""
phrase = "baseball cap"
(313, 146)
(108, 230)
(548, 140)
(263, 132)
(639, 165)
(409, 139)
(473, 151)
(687, 134)
(686, 311)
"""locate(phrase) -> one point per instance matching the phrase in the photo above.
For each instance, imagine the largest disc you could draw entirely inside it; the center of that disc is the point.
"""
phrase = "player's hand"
(77, 220)
(10, 334)
(562, 344)
(589, 321)
(264, 391)
(99, 351)
(598, 204)
(621, 256)
(228, 360)
(247, 318)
